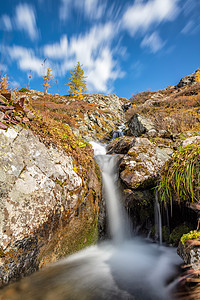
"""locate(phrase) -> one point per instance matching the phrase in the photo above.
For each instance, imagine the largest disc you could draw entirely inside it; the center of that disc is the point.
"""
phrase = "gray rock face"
(108, 115)
(139, 125)
(190, 253)
(187, 80)
(140, 166)
(34, 181)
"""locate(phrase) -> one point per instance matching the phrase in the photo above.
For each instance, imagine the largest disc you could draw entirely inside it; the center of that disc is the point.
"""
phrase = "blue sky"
(124, 46)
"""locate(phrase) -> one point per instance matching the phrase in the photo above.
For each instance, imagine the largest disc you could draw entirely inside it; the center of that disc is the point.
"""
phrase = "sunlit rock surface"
(31, 176)
(41, 194)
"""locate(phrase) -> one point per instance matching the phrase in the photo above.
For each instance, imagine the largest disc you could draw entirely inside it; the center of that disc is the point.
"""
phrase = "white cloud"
(93, 50)
(5, 23)
(153, 42)
(57, 50)
(142, 15)
(92, 9)
(103, 71)
(188, 27)
(25, 20)
(26, 59)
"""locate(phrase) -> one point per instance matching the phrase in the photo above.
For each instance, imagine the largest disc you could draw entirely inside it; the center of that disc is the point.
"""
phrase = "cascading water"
(158, 220)
(119, 224)
(119, 132)
(123, 269)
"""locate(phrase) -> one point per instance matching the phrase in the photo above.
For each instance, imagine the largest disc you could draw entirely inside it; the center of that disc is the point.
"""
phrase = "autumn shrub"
(4, 83)
(141, 97)
(180, 178)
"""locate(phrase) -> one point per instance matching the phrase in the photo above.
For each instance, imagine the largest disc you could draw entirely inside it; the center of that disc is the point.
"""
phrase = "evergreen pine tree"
(47, 79)
(77, 84)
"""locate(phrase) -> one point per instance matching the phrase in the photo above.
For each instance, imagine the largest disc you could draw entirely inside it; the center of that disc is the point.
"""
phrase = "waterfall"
(122, 268)
(119, 132)
(158, 219)
(118, 221)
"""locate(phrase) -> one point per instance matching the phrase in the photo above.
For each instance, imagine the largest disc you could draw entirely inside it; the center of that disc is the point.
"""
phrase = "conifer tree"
(4, 82)
(77, 84)
(47, 79)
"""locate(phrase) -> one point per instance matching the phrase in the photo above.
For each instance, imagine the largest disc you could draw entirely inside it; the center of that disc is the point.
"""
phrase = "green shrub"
(24, 90)
(180, 178)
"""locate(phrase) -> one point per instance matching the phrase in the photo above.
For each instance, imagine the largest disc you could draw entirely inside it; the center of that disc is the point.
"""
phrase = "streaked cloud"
(92, 9)
(188, 27)
(57, 50)
(3, 68)
(26, 59)
(5, 23)
(153, 42)
(92, 49)
(140, 16)
(25, 20)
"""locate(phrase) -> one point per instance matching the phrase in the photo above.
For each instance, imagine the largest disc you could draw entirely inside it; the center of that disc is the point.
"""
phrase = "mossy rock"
(177, 233)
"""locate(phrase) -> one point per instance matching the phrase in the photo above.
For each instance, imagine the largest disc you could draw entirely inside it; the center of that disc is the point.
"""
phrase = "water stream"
(125, 267)
(158, 220)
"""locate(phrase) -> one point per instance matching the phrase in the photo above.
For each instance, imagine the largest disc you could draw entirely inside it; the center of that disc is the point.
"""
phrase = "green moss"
(177, 234)
(192, 235)
(165, 234)
(97, 172)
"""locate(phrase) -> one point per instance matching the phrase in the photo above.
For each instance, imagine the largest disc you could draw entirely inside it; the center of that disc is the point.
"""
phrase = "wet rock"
(19, 260)
(121, 145)
(190, 253)
(140, 206)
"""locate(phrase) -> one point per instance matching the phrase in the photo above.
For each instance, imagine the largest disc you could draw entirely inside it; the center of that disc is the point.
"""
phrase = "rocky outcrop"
(142, 162)
(102, 115)
(16, 113)
(40, 193)
(186, 80)
(139, 125)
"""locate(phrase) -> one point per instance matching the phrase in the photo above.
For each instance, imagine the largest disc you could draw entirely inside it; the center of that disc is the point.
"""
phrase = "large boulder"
(141, 165)
(120, 145)
(34, 180)
(44, 203)
(139, 125)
